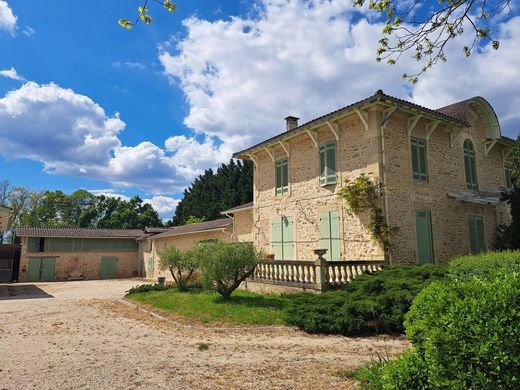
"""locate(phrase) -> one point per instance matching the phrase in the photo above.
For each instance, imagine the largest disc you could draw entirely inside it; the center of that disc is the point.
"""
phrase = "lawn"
(205, 306)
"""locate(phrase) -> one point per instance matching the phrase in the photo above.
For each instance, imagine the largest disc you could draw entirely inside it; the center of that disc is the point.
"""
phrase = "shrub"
(144, 288)
(483, 266)
(371, 304)
(225, 265)
(467, 333)
(181, 264)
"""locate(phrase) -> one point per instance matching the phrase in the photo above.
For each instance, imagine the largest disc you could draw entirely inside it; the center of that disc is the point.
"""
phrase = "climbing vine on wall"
(361, 194)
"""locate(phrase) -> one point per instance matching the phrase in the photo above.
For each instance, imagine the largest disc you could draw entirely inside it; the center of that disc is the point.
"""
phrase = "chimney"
(291, 122)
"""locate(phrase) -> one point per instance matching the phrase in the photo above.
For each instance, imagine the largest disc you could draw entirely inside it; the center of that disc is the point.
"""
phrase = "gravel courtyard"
(82, 335)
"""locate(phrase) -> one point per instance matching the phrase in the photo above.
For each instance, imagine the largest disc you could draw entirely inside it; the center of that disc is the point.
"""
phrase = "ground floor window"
(330, 234)
(477, 243)
(282, 238)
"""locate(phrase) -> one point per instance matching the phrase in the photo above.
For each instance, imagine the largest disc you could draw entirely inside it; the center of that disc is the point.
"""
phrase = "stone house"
(440, 173)
(236, 227)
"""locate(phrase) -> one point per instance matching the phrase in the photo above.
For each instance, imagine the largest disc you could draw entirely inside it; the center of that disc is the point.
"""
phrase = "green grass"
(206, 306)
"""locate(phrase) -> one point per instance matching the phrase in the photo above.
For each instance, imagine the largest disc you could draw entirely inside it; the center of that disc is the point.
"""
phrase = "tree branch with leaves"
(143, 13)
(428, 36)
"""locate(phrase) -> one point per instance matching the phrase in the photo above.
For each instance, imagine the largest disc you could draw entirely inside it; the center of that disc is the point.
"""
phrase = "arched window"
(470, 167)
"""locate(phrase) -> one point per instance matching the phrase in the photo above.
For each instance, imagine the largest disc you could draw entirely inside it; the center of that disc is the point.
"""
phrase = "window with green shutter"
(419, 161)
(508, 170)
(282, 240)
(330, 235)
(477, 243)
(328, 164)
(282, 180)
(470, 166)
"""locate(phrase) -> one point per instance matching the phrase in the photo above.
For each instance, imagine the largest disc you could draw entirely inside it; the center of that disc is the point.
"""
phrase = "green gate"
(41, 269)
(424, 236)
(108, 267)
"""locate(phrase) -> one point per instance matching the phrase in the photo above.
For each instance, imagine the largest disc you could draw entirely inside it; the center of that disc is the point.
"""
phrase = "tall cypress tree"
(213, 192)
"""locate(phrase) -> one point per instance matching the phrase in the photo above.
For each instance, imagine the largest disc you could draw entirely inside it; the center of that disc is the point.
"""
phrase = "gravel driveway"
(82, 335)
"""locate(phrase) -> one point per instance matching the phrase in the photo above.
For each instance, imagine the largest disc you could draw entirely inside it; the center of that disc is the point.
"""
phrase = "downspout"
(382, 127)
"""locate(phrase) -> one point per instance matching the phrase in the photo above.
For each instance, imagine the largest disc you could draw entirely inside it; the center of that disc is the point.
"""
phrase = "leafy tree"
(508, 237)
(122, 214)
(213, 192)
(410, 27)
(225, 265)
(181, 264)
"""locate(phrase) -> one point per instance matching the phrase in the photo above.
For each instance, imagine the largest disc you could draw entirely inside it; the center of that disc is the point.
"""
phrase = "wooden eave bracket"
(506, 152)
(488, 146)
(387, 114)
(253, 158)
(269, 153)
(334, 128)
(364, 118)
(285, 147)
(314, 137)
(412, 122)
(431, 128)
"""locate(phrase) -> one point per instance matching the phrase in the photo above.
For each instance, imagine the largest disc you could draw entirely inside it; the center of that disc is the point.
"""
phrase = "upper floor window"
(282, 181)
(419, 165)
(328, 163)
(508, 170)
(470, 167)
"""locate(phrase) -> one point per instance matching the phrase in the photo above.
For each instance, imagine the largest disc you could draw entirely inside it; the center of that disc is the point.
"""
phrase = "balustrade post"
(321, 269)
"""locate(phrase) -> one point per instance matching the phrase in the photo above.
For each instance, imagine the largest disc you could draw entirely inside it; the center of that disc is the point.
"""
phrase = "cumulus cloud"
(72, 135)
(242, 76)
(129, 64)
(11, 74)
(7, 18)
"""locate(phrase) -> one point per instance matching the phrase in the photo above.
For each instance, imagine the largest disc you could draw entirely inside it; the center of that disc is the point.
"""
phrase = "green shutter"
(288, 238)
(278, 178)
(330, 235)
(508, 170)
(476, 234)
(419, 159)
(325, 233)
(276, 238)
(328, 163)
(424, 236)
(47, 269)
(470, 169)
(108, 267)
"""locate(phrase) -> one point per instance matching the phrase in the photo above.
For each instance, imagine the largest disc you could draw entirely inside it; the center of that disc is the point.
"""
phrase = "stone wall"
(243, 226)
(357, 151)
(445, 174)
(74, 264)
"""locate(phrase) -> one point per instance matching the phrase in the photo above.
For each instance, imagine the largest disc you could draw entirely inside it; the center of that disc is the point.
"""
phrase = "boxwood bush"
(144, 288)
(371, 304)
(486, 265)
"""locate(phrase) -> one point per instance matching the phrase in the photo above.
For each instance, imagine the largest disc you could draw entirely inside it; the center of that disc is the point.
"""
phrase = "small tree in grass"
(225, 265)
(181, 264)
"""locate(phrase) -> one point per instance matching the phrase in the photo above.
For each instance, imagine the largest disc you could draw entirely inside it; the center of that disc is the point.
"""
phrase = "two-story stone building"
(441, 173)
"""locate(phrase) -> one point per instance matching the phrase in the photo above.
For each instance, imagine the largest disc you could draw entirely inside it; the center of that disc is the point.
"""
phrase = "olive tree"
(225, 265)
(181, 264)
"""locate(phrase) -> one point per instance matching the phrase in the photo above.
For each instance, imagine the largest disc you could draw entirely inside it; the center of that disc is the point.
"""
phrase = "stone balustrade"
(317, 275)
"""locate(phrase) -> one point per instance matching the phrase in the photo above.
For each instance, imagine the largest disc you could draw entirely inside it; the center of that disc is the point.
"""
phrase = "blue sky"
(88, 104)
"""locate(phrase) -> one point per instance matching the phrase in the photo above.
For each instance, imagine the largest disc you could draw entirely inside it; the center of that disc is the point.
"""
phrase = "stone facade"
(375, 139)
(76, 265)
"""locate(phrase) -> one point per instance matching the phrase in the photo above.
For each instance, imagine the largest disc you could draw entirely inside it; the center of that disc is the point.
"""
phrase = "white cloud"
(164, 205)
(109, 193)
(11, 74)
(129, 64)
(242, 76)
(7, 18)
(72, 135)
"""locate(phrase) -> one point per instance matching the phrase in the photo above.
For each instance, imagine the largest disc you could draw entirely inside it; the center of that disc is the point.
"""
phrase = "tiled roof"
(196, 227)
(244, 206)
(378, 96)
(155, 230)
(77, 232)
(457, 110)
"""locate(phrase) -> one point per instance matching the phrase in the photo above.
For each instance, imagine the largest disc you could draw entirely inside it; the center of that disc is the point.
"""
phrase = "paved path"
(87, 337)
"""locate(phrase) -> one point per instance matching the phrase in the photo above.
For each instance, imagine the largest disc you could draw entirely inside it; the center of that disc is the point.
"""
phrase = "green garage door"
(108, 267)
(41, 269)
